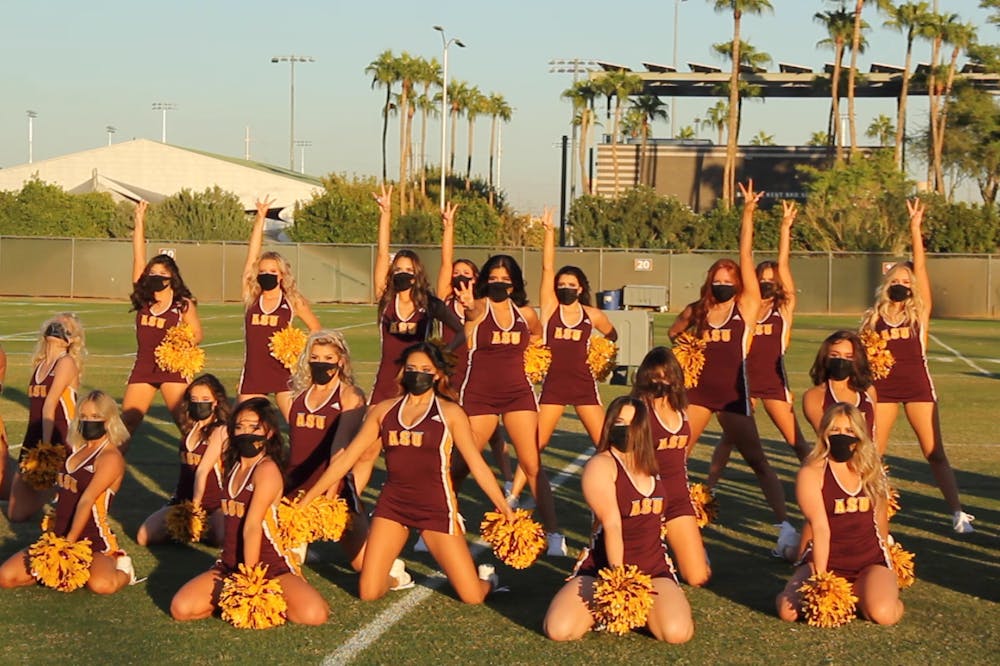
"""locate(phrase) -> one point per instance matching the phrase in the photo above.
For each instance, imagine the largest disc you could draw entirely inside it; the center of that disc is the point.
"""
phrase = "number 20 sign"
(642, 265)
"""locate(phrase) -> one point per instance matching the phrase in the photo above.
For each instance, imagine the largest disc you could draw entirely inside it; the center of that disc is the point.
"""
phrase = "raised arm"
(809, 491)
(599, 491)
(139, 240)
(546, 285)
(256, 243)
(915, 207)
(788, 212)
(749, 301)
(384, 200)
(342, 463)
(66, 374)
(109, 468)
(447, 250)
(267, 485)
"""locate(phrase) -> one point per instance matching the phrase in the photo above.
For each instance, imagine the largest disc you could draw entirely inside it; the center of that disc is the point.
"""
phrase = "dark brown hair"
(640, 437)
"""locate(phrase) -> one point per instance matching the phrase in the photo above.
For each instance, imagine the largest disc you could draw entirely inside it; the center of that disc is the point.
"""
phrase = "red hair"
(699, 308)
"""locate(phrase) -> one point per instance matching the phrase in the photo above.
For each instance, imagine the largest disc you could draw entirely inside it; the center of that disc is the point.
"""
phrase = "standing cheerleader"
(326, 414)
(840, 373)
(659, 382)
(418, 432)
(57, 365)
(901, 317)
(89, 480)
(730, 297)
(499, 326)
(161, 301)
(843, 493)
(250, 503)
(206, 409)
(272, 301)
(627, 499)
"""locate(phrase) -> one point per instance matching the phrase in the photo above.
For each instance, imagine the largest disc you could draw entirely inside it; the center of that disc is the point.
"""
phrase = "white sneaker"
(124, 564)
(488, 573)
(398, 572)
(557, 544)
(788, 537)
(507, 487)
(513, 501)
(961, 522)
(419, 546)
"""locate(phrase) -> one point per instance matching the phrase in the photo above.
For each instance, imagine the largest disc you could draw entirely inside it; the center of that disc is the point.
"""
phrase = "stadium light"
(291, 60)
(163, 107)
(444, 100)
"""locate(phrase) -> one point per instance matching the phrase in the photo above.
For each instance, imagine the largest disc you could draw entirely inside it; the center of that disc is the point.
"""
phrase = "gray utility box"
(635, 335)
(645, 296)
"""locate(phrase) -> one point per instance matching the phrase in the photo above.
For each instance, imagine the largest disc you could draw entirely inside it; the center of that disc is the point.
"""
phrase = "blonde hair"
(77, 347)
(108, 409)
(288, 286)
(913, 307)
(302, 378)
(866, 461)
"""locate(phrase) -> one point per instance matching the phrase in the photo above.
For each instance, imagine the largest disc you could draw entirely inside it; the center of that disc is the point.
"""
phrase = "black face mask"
(249, 444)
(402, 281)
(618, 437)
(840, 447)
(199, 411)
(156, 282)
(723, 292)
(93, 430)
(267, 281)
(899, 293)
(659, 389)
(567, 295)
(416, 382)
(460, 281)
(767, 290)
(322, 373)
(56, 330)
(497, 291)
(839, 368)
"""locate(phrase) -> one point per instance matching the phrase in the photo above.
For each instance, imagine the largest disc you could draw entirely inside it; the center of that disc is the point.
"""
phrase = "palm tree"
(428, 75)
(737, 8)
(618, 84)
(407, 68)
(856, 49)
(839, 26)
(762, 138)
(475, 105)
(936, 29)
(716, 117)
(650, 108)
(383, 72)
(749, 57)
(499, 110)
(582, 96)
(881, 129)
(458, 94)
(687, 133)
(960, 36)
(818, 139)
(908, 18)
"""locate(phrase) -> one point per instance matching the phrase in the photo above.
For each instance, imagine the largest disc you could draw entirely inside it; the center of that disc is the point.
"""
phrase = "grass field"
(952, 611)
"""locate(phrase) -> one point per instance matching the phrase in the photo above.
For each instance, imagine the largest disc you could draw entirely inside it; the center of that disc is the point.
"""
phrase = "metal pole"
(499, 152)
(444, 114)
(562, 194)
(673, 100)
(291, 122)
(31, 150)
(574, 130)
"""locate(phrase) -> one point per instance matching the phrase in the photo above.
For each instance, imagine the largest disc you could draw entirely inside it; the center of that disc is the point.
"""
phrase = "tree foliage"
(214, 214)
(44, 209)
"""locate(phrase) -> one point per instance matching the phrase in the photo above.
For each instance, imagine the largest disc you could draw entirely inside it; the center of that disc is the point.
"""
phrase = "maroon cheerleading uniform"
(395, 335)
(417, 492)
(855, 543)
(569, 380)
(495, 382)
(234, 508)
(766, 360)
(150, 329)
(38, 391)
(863, 402)
(191, 453)
(72, 483)
(671, 459)
(461, 352)
(641, 516)
(262, 373)
(909, 379)
(722, 385)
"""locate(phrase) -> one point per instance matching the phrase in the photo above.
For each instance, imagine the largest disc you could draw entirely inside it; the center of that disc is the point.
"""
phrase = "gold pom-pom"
(537, 359)
(602, 357)
(623, 597)
(517, 542)
(827, 600)
(48, 518)
(186, 523)
(689, 350)
(286, 345)
(902, 564)
(323, 519)
(60, 564)
(42, 464)
(250, 601)
(706, 507)
(880, 359)
(179, 353)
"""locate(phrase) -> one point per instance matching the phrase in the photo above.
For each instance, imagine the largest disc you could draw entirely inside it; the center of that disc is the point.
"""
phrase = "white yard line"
(385, 620)
(958, 354)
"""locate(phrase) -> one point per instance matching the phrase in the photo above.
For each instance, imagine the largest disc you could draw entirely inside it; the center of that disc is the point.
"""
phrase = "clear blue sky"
(84, 65)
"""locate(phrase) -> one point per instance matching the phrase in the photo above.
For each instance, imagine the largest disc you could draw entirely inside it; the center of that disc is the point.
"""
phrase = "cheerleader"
(57, 364)
(901, 317)
(89, 480)
(843, 494)
(840, 373)
(205, 412)
(418, 432)
(326, 414)
(499, 325)
(272, 301)
(161, 301)
(253, 489)
(627, 499)
(659, 382)
(730, 297)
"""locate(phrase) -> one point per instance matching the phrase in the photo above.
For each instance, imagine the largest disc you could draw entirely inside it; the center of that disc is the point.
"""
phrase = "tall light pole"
(444, 100)
(31, 136)
(110, 129)
(673, 100)
(291, 60)
(302, 154)
(163, 107)
(575, 66)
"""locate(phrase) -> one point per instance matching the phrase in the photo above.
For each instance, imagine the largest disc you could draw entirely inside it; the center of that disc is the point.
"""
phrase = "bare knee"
(102, 585)
(369, 592)
(887, 613)
(674, 631)
(786, 609)
(313, 614)
(16, 514)
(181, 610)
(937, 456)
(561, 630)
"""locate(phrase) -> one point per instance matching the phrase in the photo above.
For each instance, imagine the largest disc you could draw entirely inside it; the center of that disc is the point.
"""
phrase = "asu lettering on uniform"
(861, 504)
(38, 391)
(646, 506)
(233, 508)
(573, 334)
(314, 421)
(901, 333)
(403, 327)
(506, 338)
(152, 321)
(717, 335)
(406, 438)
(264, 320)
(764, 329)
(66, 482)
(672, 442)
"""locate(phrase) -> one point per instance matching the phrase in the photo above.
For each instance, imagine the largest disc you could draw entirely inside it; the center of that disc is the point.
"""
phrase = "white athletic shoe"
(557, 544)
(961, 522)
(488, 573)
(124, 564)
(419, 546)
(507, 487)
(513, 501)
(398, 572)
(788, 537)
